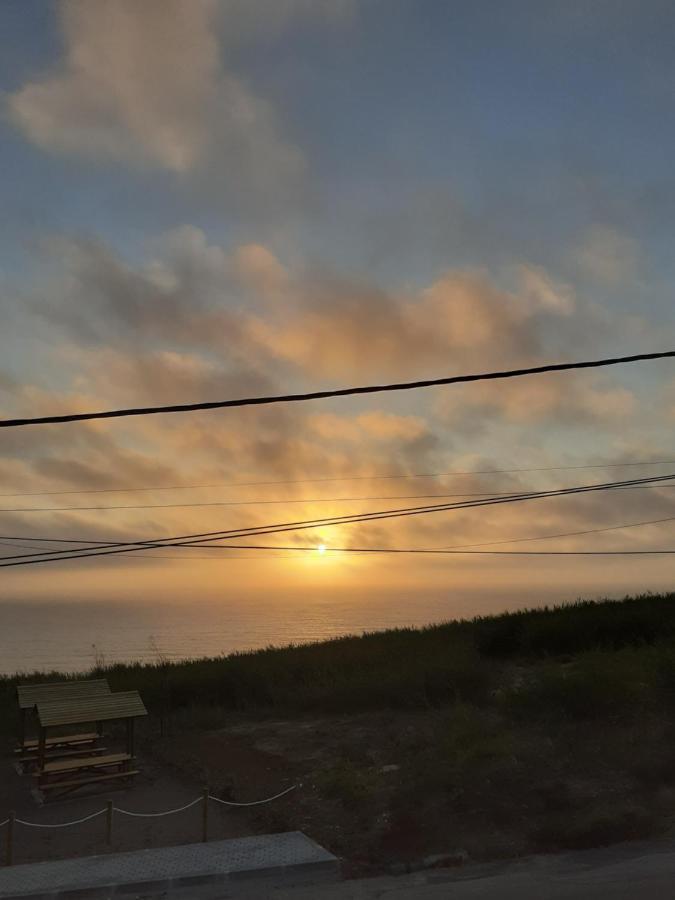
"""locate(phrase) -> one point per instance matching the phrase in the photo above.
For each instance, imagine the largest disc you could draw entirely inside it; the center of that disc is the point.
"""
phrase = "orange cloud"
(199, 321)
(567, 400)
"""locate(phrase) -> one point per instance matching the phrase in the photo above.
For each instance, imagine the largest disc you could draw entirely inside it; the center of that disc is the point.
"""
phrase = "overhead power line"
(221, 503)
(561, 534)
(541, 537)
(392, 550)
(433, 551)
(374, 477)
(340, 392)
(161, 556)
(409, 550)
(20, 546)
(420, 510)
(206, 539)
(280, 502)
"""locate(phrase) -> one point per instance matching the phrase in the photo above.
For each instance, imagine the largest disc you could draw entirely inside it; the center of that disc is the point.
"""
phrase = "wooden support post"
(9, 857)
(109, 822)
(130, 736)
(22, 727)
(42, 746)
(205, 815)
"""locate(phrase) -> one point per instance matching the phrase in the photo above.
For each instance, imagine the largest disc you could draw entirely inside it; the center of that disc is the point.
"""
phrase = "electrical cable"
(203, 539)
(563, 534)
(375, 477)
(294, 501)
(340, 392)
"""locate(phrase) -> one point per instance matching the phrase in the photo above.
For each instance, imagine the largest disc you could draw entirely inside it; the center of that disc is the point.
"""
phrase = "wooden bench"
(82, 763)
(65, 739)
(30, 759)
(64, 776)
(67, 786)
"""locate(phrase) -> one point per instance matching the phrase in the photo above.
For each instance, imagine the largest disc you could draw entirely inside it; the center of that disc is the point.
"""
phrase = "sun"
(321, 548)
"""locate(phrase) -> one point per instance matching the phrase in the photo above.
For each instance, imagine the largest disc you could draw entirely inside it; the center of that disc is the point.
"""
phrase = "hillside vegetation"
(582, 659)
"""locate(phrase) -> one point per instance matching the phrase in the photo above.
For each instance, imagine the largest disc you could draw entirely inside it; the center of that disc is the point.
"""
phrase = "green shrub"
(578, 627)
(584, 829)
(347, 782)
(470, 737)
(595, 685)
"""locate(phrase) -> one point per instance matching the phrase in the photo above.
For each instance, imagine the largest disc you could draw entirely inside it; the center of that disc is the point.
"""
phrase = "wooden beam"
(42, 747)
(130, 737)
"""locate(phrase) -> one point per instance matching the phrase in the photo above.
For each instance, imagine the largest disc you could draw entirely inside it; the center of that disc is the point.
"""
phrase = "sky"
(208, 199)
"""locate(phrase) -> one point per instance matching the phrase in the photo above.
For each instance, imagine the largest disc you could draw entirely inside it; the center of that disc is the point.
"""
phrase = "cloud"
(134, 86)
(338, 328)
(542, 293)
(164, 376)
(608, 256)
(563, 401)
(259, 271)
(179, 300)
(387, 426)
(376, 424)
(245, 20)
(144, 84)
(198, 320)
(7, 383)
(299, 442)
(247, 304)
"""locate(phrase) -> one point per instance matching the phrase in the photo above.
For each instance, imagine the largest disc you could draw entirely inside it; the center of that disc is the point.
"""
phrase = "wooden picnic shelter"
(29, 695)
(69, 774)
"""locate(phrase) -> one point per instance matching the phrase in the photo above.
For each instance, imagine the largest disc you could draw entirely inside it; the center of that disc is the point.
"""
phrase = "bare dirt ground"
(350, 770)
(244, 762)
(385, 791)
(392, 791)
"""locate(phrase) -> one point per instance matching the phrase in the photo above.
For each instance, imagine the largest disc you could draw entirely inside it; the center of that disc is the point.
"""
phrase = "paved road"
(628, 872)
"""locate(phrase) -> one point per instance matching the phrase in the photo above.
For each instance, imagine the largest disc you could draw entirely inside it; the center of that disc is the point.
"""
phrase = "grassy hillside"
(582, 659)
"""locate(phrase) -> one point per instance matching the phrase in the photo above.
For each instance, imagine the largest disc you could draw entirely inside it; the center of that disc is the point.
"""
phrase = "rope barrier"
(59, 824)
(153, 815)
(169, 812)
(255, 802)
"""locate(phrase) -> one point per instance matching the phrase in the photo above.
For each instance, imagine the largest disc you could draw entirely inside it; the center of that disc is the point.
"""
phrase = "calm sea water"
(67, 636)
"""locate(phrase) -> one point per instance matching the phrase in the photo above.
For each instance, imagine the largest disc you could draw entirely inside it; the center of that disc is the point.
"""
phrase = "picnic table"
(70, 774)
(29, 695)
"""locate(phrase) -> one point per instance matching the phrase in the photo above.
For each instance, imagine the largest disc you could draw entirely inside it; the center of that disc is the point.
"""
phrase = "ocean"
(69, 636)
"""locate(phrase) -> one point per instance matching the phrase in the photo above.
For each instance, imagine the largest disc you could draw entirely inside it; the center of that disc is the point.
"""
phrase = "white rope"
(255, 802)
(59, 824)
(140, 815)
(169, 812)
